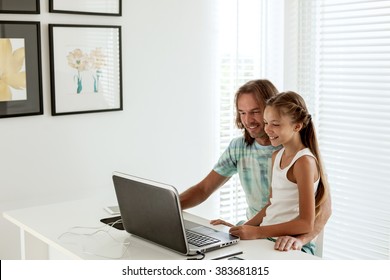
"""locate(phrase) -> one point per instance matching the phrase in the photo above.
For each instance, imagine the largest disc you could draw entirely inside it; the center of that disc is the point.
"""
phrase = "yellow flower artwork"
(12, 74)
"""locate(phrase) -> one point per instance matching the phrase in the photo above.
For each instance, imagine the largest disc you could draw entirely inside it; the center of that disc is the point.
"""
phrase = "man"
(251, 157)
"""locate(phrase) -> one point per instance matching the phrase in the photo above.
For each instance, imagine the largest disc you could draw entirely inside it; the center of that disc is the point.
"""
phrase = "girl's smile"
(279, 128)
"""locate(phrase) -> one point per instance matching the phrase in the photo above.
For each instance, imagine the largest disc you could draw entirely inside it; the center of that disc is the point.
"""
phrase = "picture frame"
(20, 62)
(85, 68)
(20, 6)
(89, 7)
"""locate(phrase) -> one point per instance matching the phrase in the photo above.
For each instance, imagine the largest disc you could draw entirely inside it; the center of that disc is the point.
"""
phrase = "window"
(250, 46)
(239, 57)
(336, 53)
(344, 70)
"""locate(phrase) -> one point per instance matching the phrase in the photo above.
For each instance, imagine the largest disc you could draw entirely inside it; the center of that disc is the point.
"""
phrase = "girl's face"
(280, 128)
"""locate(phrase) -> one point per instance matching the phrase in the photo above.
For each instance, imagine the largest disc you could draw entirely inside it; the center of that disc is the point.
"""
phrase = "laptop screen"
(150, 211)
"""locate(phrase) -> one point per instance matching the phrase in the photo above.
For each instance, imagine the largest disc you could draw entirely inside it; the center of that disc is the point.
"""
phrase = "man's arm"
(285, 243)
(201, 191)
(319, 222)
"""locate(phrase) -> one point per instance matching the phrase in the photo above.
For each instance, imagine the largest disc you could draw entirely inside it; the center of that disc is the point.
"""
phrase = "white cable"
(105, 229)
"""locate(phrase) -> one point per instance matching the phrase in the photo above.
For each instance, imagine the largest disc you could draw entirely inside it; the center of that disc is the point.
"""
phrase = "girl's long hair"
(293, 105)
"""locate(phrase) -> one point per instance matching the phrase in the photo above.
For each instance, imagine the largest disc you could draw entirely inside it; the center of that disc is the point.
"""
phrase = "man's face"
(251, 115)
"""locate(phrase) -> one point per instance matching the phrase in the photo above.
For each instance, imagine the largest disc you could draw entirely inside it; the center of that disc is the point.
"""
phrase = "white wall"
(165, 132)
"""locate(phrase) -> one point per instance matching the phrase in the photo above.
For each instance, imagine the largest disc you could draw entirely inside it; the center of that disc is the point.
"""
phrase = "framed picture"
(20, 69)
(92, 7)
(85, 68)
(20, 6)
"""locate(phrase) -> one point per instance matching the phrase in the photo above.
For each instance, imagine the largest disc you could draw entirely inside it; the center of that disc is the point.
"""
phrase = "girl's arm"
(255, 221)
(258, 218)
(304, 173)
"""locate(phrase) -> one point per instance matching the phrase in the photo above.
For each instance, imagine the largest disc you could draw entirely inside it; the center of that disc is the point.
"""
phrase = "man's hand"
(286, 243)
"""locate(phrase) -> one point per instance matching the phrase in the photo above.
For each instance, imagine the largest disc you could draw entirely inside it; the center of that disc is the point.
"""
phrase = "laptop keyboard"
(198, 239)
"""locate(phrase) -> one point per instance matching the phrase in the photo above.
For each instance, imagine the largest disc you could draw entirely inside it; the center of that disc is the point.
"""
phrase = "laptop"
(151, 211)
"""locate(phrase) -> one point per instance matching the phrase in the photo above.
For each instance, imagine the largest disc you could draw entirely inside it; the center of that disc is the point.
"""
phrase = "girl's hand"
(220, 222)
(245, 232)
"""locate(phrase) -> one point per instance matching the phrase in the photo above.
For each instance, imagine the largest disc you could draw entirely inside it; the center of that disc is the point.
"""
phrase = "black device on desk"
(114, 222)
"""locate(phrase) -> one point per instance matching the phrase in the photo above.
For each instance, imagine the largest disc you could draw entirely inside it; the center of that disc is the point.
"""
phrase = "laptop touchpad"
(198, 228)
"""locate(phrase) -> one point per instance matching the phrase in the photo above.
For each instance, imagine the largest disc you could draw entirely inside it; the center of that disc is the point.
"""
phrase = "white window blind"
(344, 73)
(239, 55)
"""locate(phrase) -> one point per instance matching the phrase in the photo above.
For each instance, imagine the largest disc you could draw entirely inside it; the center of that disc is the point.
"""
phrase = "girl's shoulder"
(305, 153)
(305, 160)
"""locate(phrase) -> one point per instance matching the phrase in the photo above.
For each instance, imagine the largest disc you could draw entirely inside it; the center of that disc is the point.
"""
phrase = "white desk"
(48, 232)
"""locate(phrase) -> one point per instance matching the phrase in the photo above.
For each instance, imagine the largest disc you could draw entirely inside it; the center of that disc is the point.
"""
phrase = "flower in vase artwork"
(12, 70)
(97, 62)
(78, 60)
(88, 66)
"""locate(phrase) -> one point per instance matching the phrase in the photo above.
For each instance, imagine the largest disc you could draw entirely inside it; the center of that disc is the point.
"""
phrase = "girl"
(299, 185)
